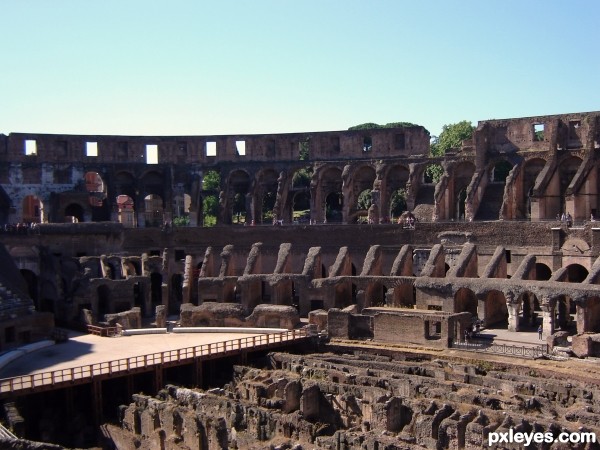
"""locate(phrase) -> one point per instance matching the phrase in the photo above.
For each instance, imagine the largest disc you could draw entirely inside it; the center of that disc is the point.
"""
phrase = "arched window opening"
(239, 208)
(73, 213)
(181, 210)
(333, 207)
(465, 301)
(363, 204)
(500, 171)
(542, 272)
(94, 185)
(32, 209)
(432, 173)
(153, 210)
(398, 203)
(211, 185)
(576, 273)
(268, 203)
(301, 207)
(126, 212)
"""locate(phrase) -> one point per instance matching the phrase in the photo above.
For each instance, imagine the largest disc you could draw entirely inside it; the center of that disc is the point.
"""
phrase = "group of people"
(473, 330)
(409, 220)
(19, 228)
(566, 219)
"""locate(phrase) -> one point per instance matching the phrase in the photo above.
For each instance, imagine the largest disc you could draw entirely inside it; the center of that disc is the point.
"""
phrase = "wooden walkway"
(72, 376)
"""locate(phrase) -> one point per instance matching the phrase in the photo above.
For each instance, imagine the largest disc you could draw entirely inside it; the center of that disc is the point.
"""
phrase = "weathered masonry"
(486, 241)
(529, 168)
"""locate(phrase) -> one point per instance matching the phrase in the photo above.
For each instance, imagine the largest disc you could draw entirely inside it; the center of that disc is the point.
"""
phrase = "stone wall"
(359, 401)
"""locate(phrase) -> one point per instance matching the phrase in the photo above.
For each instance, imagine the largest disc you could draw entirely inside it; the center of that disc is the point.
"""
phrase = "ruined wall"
(329, 400)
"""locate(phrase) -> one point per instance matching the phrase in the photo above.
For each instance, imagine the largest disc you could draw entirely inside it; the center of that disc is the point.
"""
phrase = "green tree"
(304, 150)
(451, 137)
(182, 221)
(364, 199)
(398, 203)
(375, 126)
(210, 205)
(302, 177)
(211, 181)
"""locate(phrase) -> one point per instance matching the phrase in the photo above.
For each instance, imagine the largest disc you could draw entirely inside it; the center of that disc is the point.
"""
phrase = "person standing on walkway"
(540, 332)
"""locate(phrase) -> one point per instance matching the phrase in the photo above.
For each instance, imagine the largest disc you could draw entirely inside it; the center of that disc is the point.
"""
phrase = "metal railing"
(486, 346)
(86, 373)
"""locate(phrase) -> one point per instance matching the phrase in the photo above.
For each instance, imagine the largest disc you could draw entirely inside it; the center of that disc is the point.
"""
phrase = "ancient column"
(547, 306)
(513, 311)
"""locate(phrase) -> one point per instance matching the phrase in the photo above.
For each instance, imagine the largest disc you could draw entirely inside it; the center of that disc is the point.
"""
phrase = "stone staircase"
(12, 305)
(489, 207)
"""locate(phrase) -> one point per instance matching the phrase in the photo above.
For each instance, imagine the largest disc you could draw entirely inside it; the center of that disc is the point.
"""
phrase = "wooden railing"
(80, 374)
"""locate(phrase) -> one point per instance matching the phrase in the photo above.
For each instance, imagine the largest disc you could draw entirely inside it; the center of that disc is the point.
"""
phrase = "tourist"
(540, 332)
(569, 220)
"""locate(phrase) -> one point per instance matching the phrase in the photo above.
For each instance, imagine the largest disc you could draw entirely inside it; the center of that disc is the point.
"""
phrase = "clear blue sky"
(225, 67)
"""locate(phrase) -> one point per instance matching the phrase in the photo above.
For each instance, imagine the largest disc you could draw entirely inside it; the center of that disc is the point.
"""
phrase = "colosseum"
(402, 277)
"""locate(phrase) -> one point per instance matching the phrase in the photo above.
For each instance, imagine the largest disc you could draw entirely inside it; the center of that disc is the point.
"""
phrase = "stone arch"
(564, 307)
(94, 183)
(126, 211)
(362, 181)
(495, 311)
(465, 301)
(182, 205)
(499, 171)
(567, 168)
(589, 316)
(333, 207)
(375, 294)
(238, 184)
(462, 173)
(531, 169)
(125, 184)
(96, 189)
(300, 195)
(542, 272)
(403, 296)
(74, 213)
(267, 194)
(32, 209)
(152, 182)
(576, 273)
(330, 186)
(528, 311)
(394, 201)
(153, 210)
